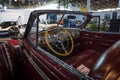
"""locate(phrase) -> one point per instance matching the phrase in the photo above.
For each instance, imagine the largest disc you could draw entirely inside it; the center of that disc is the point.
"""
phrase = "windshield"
(40, 21)
(63, 20)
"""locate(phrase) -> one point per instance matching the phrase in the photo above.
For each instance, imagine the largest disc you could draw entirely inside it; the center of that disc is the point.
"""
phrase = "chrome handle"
(86, 34)
(98, 37)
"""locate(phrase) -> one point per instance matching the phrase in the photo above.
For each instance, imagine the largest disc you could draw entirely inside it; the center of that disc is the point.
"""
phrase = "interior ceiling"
(100, 4)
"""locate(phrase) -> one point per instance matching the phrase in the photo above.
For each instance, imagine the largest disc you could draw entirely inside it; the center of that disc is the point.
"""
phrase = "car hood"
(5, 29)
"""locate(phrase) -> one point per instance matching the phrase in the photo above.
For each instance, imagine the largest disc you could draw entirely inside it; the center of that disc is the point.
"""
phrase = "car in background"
(61, 52)
(5, 26)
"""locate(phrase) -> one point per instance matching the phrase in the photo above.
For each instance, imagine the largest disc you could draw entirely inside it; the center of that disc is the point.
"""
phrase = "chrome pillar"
(88, 5)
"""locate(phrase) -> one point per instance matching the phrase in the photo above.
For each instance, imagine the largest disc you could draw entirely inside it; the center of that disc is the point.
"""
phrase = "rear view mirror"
(71, 17)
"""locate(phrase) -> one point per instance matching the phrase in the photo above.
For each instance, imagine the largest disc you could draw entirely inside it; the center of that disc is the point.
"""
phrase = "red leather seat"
(102, 67)
(107, 63)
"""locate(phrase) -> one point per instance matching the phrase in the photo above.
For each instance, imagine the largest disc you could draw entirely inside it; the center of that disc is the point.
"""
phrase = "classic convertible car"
(63, 50)
(5, 26)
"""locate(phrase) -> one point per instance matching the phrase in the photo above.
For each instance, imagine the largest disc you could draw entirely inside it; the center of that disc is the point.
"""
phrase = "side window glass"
(96, 25)
(93, 25)
(33, 32)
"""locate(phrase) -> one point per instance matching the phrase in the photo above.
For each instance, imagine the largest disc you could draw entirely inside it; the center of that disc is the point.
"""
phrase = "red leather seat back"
(107, 62)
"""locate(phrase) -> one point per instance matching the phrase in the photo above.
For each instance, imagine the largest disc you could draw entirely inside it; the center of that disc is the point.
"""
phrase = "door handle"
(98, 37)
(105, 44)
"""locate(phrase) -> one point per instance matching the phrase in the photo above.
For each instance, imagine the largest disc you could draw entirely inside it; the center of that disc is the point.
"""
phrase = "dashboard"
(55, 34)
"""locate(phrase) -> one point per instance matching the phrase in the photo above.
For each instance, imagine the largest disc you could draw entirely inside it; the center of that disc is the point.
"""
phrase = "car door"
(98, 36)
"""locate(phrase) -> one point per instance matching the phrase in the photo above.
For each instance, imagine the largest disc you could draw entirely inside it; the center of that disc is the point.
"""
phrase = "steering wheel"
(58, 37)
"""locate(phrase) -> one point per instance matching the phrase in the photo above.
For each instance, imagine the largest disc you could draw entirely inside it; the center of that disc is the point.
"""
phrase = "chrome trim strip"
(4, 57)
(65, 65)
(57, 78)
(8, 57)
(36, 66)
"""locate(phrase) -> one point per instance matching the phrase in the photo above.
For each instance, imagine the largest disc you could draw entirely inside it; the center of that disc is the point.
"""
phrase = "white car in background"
(5, 26)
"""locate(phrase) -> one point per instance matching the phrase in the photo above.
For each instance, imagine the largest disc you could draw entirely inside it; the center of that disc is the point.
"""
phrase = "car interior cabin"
(96, 52)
